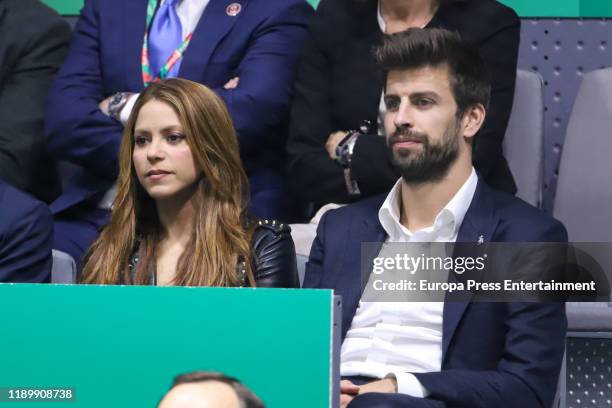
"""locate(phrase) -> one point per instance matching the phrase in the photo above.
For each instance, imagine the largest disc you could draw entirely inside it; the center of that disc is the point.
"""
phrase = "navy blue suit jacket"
(494, 354)
(260, 45)
(26, 236)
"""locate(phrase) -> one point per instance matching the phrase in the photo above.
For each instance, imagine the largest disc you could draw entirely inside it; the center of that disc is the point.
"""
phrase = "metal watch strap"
(117, 102)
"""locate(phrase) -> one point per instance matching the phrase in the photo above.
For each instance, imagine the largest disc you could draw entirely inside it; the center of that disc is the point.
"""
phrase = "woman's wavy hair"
(219, 241)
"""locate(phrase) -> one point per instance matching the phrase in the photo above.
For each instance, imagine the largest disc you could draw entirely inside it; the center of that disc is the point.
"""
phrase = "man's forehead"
(426, 79)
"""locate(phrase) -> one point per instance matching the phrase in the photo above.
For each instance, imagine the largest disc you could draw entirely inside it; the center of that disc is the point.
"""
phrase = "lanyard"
(147, 76)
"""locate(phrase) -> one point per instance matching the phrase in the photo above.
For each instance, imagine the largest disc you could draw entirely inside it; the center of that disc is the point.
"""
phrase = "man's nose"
(404, 117)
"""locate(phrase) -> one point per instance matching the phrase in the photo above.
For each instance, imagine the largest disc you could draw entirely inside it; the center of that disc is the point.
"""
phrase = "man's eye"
(140, 140)
(424, 102)
(175, 138)
(391, 104)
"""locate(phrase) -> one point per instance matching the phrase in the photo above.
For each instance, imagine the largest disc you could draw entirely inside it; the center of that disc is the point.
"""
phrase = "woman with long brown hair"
(179, 217)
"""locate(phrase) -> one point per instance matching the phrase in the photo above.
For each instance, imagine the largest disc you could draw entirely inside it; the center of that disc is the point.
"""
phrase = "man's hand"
(348, 391)
(232, 83)
(387, 385)
(104, 105)
(332, 142)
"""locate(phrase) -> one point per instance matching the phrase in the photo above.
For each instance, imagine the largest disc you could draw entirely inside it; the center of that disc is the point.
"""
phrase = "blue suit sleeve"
(528, 370)
(260, 103)
(527, 374)
(25, 247)
(314, 266)
(76, 129)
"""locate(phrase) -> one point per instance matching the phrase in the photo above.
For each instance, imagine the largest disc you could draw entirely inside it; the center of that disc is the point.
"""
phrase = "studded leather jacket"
(273, 263)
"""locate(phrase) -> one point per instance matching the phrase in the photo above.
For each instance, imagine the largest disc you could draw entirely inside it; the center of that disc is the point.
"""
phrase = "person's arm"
(274, 264)
(315, 113)
(25, 247)
(313, 174)
(371, 165)
(260, 101)
(77, 130)
(39, 41)
(500, 52)
(527, 374)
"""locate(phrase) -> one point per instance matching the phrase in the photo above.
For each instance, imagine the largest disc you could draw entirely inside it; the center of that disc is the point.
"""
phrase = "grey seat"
(524, 139)
(584, 188)
(64, 268)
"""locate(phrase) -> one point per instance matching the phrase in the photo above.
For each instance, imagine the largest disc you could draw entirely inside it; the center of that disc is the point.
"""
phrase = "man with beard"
(436, 354)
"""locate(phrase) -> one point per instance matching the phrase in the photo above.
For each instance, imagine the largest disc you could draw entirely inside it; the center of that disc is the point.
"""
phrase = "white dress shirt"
(400, 338)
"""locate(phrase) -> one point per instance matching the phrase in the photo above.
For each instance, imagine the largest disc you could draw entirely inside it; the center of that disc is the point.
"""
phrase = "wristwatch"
(117, 103)
(344, 150)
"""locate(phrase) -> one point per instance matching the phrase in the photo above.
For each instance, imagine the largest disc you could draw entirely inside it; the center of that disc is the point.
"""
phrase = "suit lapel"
(214, 24)
(133, 26)
(355, 271)
(478, 225)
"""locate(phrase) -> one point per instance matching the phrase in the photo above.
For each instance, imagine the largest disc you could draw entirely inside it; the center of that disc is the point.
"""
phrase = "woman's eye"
(140, 140)
(175, 138)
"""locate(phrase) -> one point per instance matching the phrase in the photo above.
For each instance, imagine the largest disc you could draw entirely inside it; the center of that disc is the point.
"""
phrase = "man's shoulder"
(491, 16)
(366, 209)
(30, 18)
(272, 7)
(520, 221)
(487, 9)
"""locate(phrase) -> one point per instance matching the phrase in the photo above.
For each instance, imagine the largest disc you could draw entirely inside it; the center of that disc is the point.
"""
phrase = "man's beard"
(431, 163)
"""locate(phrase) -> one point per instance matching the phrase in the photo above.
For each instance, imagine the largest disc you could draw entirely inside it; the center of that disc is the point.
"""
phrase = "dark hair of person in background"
(219, 238)
(416, 48)
(246, 397)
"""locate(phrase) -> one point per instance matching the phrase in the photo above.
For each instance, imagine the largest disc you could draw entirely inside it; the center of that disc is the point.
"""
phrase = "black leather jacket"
(273, 263)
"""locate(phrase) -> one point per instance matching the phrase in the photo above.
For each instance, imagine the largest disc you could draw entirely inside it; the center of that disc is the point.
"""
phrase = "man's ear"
(472, 120)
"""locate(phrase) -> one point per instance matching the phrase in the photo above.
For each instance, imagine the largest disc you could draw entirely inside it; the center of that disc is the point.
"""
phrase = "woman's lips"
(157, 174)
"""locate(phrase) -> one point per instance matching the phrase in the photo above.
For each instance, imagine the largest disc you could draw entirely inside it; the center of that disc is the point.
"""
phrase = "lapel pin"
(480, 239)
(233, 9)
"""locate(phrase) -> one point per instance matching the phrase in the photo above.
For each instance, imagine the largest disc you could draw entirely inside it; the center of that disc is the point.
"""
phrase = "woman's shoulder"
(270, 235)
(274, 263)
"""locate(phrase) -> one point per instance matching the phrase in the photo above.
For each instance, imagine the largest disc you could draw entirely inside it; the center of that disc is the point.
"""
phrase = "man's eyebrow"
(425, 94)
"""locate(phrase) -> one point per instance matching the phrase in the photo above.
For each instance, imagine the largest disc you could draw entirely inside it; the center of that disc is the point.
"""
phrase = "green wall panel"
(121, 346)
(65, 7)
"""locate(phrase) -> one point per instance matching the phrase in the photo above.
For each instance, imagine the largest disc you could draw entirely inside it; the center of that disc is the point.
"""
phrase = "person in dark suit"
(243, 49)
(26, 235)
(459, 353)
(338, 85)
(33, 42)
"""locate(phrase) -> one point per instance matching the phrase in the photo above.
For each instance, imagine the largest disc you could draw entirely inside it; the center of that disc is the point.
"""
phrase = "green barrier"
(121, 346)
(524, 8)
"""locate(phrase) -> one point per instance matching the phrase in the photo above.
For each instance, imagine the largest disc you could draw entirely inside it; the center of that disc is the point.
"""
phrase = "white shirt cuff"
(127, 109)
(408, 384)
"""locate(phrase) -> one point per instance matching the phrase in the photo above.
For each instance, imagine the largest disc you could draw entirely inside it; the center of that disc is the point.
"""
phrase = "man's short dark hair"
(433, 47)
(246, 397)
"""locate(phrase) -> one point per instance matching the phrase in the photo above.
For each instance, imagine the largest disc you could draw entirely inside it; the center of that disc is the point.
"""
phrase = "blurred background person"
(180, 214)
(338, 87)
(201, 389)
(33, 42)
(245, 51)
(26, 235)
